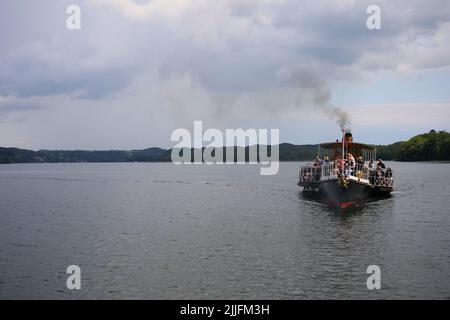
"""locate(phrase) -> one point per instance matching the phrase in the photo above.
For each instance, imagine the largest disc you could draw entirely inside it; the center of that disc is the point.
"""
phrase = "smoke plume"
(342, 117)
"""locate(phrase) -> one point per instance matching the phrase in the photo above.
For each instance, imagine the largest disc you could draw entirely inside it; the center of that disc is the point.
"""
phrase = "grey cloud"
(87, 62)
(221, 60)
(12, 107)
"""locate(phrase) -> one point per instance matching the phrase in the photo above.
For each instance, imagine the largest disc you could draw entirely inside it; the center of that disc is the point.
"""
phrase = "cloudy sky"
(138, 69)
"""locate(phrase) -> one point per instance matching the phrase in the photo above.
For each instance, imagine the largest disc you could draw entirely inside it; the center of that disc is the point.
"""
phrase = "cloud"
(232, 63)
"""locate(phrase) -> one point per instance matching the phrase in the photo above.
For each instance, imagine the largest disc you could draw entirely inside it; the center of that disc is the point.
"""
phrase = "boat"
(337, 179)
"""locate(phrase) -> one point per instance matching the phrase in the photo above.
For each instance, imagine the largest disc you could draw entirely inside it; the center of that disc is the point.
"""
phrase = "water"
(160, 231)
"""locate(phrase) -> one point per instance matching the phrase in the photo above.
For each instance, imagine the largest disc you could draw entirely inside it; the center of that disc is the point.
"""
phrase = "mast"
(343, 144)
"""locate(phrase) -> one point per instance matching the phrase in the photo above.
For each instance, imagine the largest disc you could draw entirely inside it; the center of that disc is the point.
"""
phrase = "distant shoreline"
(433, 146)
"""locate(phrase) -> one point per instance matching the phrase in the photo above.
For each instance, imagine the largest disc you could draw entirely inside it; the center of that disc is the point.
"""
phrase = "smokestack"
(348, 137)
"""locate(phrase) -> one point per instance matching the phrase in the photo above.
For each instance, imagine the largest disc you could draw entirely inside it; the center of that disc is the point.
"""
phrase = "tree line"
(431, 146)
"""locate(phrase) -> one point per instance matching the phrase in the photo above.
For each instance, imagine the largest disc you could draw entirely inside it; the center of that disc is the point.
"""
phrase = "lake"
(160, 231)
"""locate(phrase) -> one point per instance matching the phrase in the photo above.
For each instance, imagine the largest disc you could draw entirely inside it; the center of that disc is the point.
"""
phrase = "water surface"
(160, 231)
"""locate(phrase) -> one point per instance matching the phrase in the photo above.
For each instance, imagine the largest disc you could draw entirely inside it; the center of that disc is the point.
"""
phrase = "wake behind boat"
(346, 174)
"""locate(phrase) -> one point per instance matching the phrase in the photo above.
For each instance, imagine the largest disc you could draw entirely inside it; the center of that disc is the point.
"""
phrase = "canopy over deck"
(335, 149)
(334, 145)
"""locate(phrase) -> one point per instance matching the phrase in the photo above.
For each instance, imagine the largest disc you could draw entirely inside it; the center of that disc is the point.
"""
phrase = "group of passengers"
(376, 172)
(321, 162)
(380, 175)
(353, 166)
(349, 166)
(315, 172)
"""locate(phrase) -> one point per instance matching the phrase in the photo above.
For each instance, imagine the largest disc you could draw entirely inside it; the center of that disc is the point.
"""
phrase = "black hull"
(331, 192)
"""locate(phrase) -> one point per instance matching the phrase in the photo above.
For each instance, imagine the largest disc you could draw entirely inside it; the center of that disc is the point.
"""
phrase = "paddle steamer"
(340, 180)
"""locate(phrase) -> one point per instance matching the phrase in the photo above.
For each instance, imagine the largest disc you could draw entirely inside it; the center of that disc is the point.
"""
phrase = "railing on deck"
(380, 178)
(316, 173)
(383, 178)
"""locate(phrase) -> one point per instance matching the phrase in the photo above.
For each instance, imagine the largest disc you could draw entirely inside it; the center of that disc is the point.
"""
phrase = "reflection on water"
(356, 208)
(162, 231)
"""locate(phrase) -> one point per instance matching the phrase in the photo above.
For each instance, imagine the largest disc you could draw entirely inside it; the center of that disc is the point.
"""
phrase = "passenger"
(371, 174)
(338, 162)
(389, 179)
(379, 176)
(318, 162)
(351, 161)
(325, 169)
(371, 164)
(351, 158)
(338, 165)
(381, 164)
(360, 160)
(389, 173)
